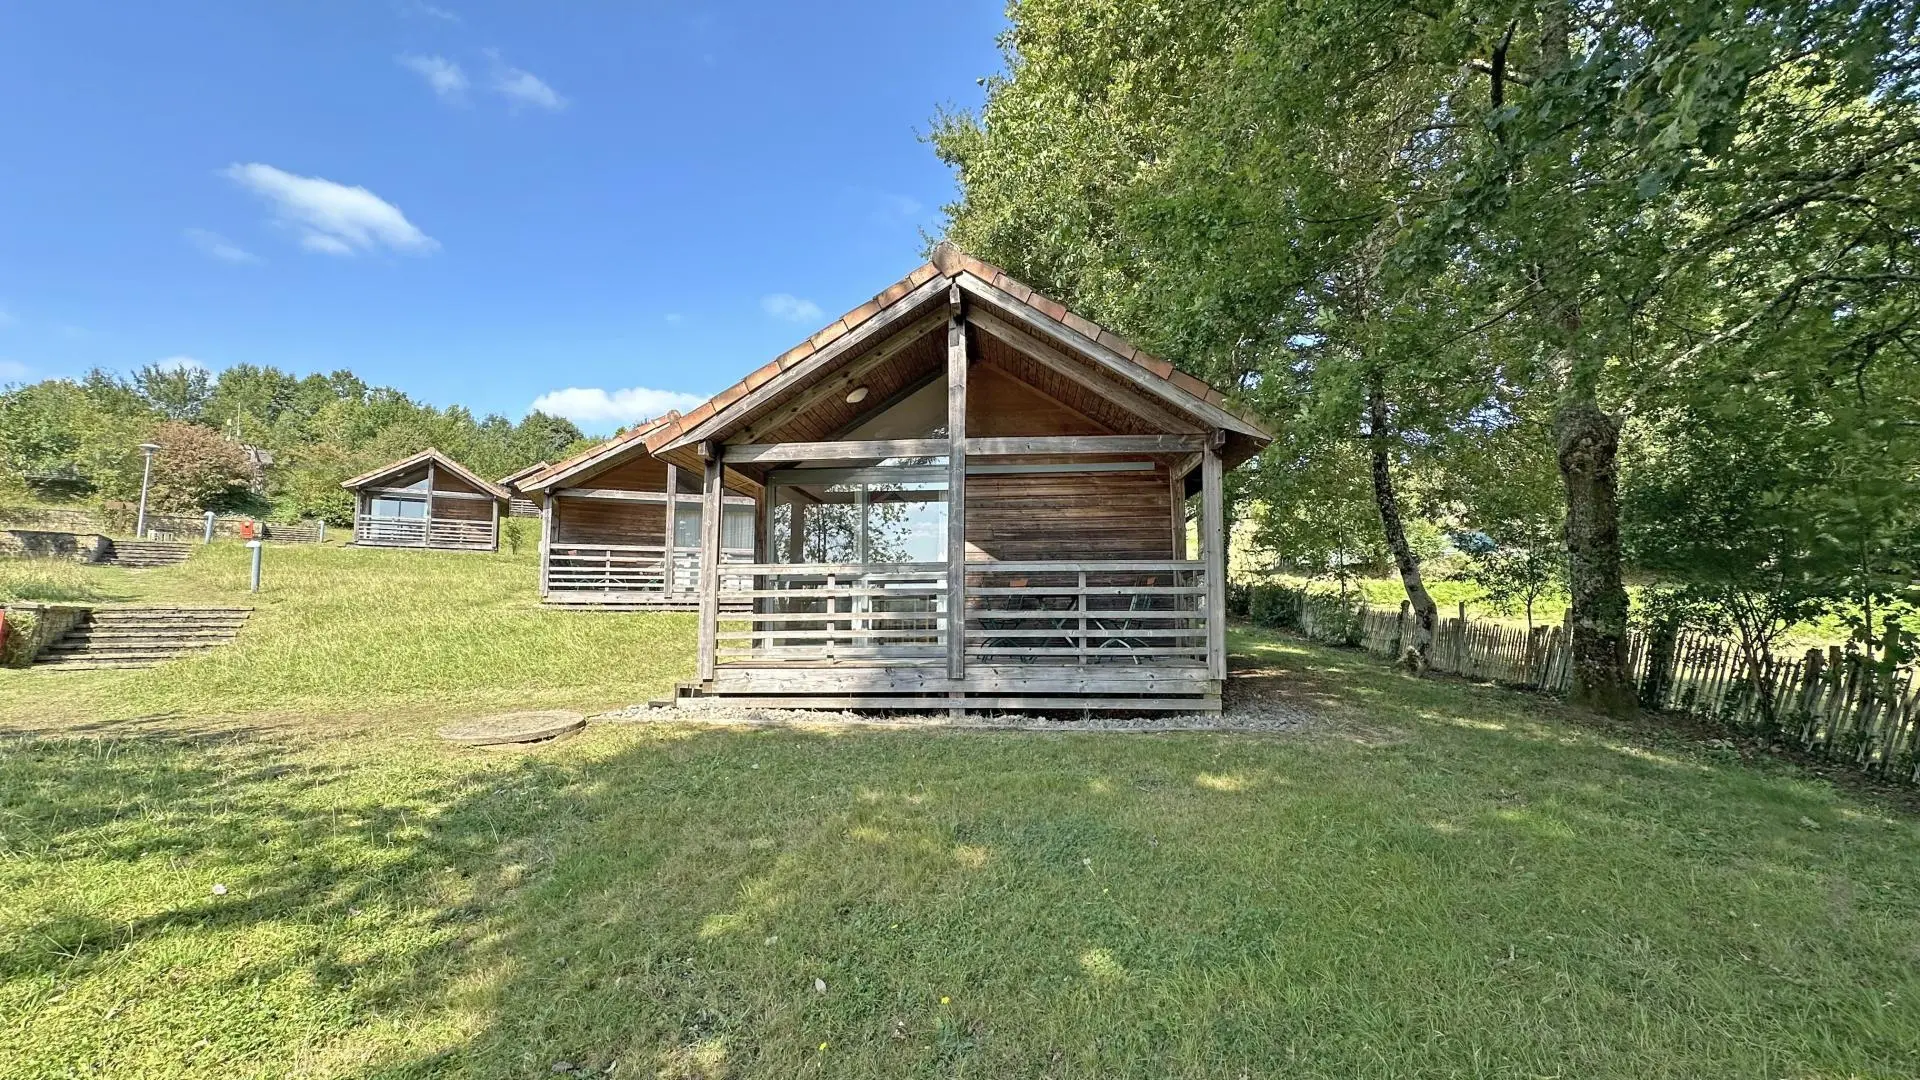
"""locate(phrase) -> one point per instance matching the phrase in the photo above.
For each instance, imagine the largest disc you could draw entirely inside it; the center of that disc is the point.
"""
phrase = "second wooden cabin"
(621, 527)
(426, 501)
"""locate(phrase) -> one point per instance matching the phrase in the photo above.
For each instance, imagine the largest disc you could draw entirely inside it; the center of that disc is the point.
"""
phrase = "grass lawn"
(1445, 880)
(342, 630)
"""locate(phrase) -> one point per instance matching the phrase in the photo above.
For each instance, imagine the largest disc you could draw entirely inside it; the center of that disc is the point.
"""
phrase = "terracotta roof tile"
(1188, 383)
(862, 313)
(730, 395)
(829, 334)
(1012, 288)
(1083, 326)
(892, 292)
(922, 274)
(1048, 306)
(1154, 364)
(1115, 342)
(761, 375)
(795, 355)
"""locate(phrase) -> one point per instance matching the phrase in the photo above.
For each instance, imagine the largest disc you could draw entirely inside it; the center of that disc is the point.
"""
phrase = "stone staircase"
(142, 554)
(133, 637)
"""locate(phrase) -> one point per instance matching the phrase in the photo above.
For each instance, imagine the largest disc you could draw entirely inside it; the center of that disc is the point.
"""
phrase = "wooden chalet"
(621, 527)
(974, 499)
(426, 501)
(519, 504)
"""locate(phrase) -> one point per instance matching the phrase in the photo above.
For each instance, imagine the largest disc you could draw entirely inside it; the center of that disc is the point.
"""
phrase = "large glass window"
(392, 506)
(883, 514)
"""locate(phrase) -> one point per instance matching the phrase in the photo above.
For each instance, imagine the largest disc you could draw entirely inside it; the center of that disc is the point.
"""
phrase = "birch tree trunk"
(1416, 647)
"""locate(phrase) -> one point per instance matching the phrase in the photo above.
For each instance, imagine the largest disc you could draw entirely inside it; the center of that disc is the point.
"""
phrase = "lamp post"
(146, 475)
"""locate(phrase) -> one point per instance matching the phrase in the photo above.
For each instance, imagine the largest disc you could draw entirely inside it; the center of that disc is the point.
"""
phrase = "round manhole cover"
(515, 727)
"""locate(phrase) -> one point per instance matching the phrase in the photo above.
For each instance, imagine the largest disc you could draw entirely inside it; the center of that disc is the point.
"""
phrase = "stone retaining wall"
(39, 544)
(33, 627)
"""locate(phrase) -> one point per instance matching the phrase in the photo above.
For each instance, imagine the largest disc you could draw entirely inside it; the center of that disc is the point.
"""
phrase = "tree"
(196, 469)
(175, 391)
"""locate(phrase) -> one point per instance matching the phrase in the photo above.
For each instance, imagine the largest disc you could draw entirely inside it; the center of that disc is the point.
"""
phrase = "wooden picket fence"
(1830, 702)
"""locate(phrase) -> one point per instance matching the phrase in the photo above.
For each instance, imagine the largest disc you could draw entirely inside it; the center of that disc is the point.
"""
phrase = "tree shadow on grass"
(664, 899)
(781, 903)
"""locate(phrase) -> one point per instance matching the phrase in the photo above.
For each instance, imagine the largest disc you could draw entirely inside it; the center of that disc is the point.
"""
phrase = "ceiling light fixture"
(856, 395)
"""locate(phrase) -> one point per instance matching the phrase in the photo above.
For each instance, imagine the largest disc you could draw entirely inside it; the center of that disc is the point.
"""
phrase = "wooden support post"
(426, 534)
(956, 487)
(1213, 539)
(667, 584)
(710, 510)
(546, 541)
(1177, 490)
(495, 504)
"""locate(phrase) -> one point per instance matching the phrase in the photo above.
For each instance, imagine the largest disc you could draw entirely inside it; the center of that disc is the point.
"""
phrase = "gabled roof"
(439, 460)
(734, 407)
(513, 478)
(612, 451)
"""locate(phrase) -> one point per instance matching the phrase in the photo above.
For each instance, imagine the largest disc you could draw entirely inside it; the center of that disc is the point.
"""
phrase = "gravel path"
(1244, 712)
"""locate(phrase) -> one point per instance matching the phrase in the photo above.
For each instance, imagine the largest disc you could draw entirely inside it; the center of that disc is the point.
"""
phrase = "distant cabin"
(518, 503)
(973, 499)
(621, 527)
(426, 501)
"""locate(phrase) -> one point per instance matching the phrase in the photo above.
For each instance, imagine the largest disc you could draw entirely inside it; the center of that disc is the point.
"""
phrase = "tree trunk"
(1417, 647)
(1588, 444)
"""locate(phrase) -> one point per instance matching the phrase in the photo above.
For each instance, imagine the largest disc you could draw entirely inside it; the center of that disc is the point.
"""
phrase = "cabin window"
(736, 528)
(880, 514)
(391, 506)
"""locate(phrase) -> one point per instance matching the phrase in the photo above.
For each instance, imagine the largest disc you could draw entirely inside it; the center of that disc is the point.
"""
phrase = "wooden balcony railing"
(422, 532)
(813, 612)
(631, 568)
(1078, 613)
(1111, 612)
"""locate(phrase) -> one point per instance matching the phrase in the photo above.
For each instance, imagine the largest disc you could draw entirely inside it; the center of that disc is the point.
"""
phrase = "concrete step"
(138, 648)
(224, 633)
(143, 636)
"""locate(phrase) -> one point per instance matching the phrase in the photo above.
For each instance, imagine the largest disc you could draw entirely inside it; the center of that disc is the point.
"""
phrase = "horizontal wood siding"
(462, 509)
(1124, 515)
(610, 521)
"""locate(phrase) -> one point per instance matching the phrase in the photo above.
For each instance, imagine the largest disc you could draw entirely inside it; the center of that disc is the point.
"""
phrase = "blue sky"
(477, 202)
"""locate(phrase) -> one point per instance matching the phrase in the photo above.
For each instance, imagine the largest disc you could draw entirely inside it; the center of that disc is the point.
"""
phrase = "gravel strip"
(1257, 714)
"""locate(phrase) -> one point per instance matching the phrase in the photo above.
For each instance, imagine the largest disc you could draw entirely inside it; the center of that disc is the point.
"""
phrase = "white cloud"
(180, 363)
(332, 218)
(791, 308)
(523, 87)
(12, 371)
(431, 12)
(674, 318)
(440, 73)
(215, 246)
(7, 318)
(597, 408)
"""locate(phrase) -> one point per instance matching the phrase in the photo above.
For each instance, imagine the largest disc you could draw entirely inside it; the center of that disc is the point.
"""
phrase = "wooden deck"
(1123, 635)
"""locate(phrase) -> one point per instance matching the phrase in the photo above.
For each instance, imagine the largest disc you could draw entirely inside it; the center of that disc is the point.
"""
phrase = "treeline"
(1595, 289)
(80, 439)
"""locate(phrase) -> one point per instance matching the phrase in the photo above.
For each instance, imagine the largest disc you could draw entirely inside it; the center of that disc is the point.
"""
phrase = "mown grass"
(1444, 880)
(53, 581)
(342, 630)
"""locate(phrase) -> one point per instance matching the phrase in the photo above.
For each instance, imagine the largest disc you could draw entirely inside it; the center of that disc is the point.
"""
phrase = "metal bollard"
(208, 538)
(254, 581)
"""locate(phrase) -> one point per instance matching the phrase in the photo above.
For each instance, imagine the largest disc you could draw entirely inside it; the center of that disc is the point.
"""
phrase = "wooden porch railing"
(632, 568)
(872, 614)
(1107, 612)
(421, 532)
